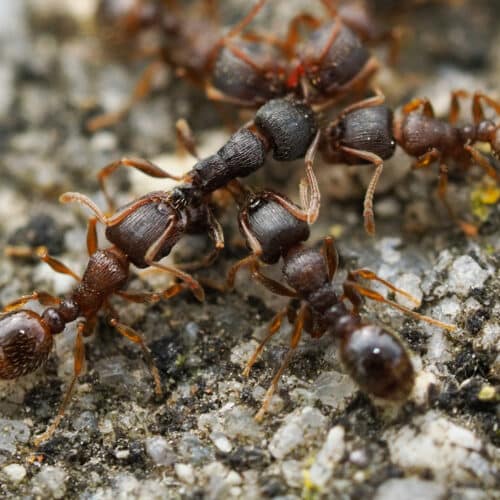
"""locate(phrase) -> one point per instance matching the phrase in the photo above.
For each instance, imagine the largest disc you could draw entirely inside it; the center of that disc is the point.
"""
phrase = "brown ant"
(430, 139)
(247, 68)
(373, 356)
(26, 338)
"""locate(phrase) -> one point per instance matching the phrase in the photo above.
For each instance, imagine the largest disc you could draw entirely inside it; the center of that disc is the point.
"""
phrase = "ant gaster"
(373, 356)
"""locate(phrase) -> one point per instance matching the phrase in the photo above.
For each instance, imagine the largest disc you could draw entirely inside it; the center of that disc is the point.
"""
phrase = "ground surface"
(322, 438)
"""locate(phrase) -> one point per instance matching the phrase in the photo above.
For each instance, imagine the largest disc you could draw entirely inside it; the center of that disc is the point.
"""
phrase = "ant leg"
(217, 236)
(331, 256)
(294, 341)
(153, 251)
(372, 294)
(106, 221)
(185, 139)
(293, 34)
(144, 166)
(377, 100)
(427, 159)
(142, 89)
(78, 365)
(455, 105)
(44, 298)
(370, 275)
(253, 264)
(274, 327)
(477, 108)
(368, 214)
(331, 39)
(483, 162)
(135, 337)
(417, 103)
(151, 297)
(91, 236)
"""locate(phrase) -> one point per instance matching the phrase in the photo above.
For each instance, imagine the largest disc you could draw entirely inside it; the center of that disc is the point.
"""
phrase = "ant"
(142, 233)
(430, 139)
(247, 68)
(26, 338)
(374, 357)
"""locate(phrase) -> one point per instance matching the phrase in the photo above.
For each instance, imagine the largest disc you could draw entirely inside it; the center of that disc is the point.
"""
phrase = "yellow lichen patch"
(487, 393)
(483, 197)
(310, 490)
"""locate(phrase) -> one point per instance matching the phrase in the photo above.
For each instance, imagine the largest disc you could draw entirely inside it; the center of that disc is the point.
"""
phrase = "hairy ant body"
(430, 139)
(247, 68)
(374, 357)
(26, 338)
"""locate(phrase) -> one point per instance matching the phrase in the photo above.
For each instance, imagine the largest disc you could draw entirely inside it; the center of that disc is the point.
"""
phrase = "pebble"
(185, 473)
(306, 423)
(328, 457)
(221, 442)
(160, 451)
(193, 450)
(15, 473)
(50, 482)
(433, 442)
(293, 472)
(411, 488)
(11, 432)
(465, 274)
(334, 389)
(410, 283)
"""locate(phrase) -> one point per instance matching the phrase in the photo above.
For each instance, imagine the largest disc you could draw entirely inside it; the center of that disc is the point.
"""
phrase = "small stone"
(359, 458)
(388, 249)
(15, 473)
(221, 442)
(293, 473)
(122, 454)
(185, 473)
(411, 488)
(193, 450)
(450, 452)
(50, 482)
(12, 431)
(330, 454)
(465, 274)
(160, 451)
(305, 423)
(409, 283)
(334, 389)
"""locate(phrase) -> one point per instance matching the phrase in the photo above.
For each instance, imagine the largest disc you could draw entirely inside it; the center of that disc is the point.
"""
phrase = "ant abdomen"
(274, 227)
(135, 234)
(377, 361)
(25, 343)
(290, 125)
(345, 59)
(365, 129)
(236, 78)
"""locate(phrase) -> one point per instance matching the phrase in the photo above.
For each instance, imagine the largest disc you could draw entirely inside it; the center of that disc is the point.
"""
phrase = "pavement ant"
(374, 357)
(246, 68)
(26, 338)
(432, 140)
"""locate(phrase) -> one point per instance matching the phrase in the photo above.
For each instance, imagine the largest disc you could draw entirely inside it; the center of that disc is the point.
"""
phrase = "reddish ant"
(247, 68)
(26, 338)
(374, 357)
(430, 139)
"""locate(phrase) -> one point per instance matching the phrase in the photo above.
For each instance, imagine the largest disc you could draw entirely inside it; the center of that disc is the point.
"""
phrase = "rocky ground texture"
(322, 437)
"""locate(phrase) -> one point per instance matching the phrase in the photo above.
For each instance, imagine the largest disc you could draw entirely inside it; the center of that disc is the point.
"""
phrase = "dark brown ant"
(242, 68)
(374, 357)
(26, 338)
(247, 68)
(432, 140)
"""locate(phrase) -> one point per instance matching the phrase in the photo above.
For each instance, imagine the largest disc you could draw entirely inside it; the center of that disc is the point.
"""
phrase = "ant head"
(486, 131)
(25, 343)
